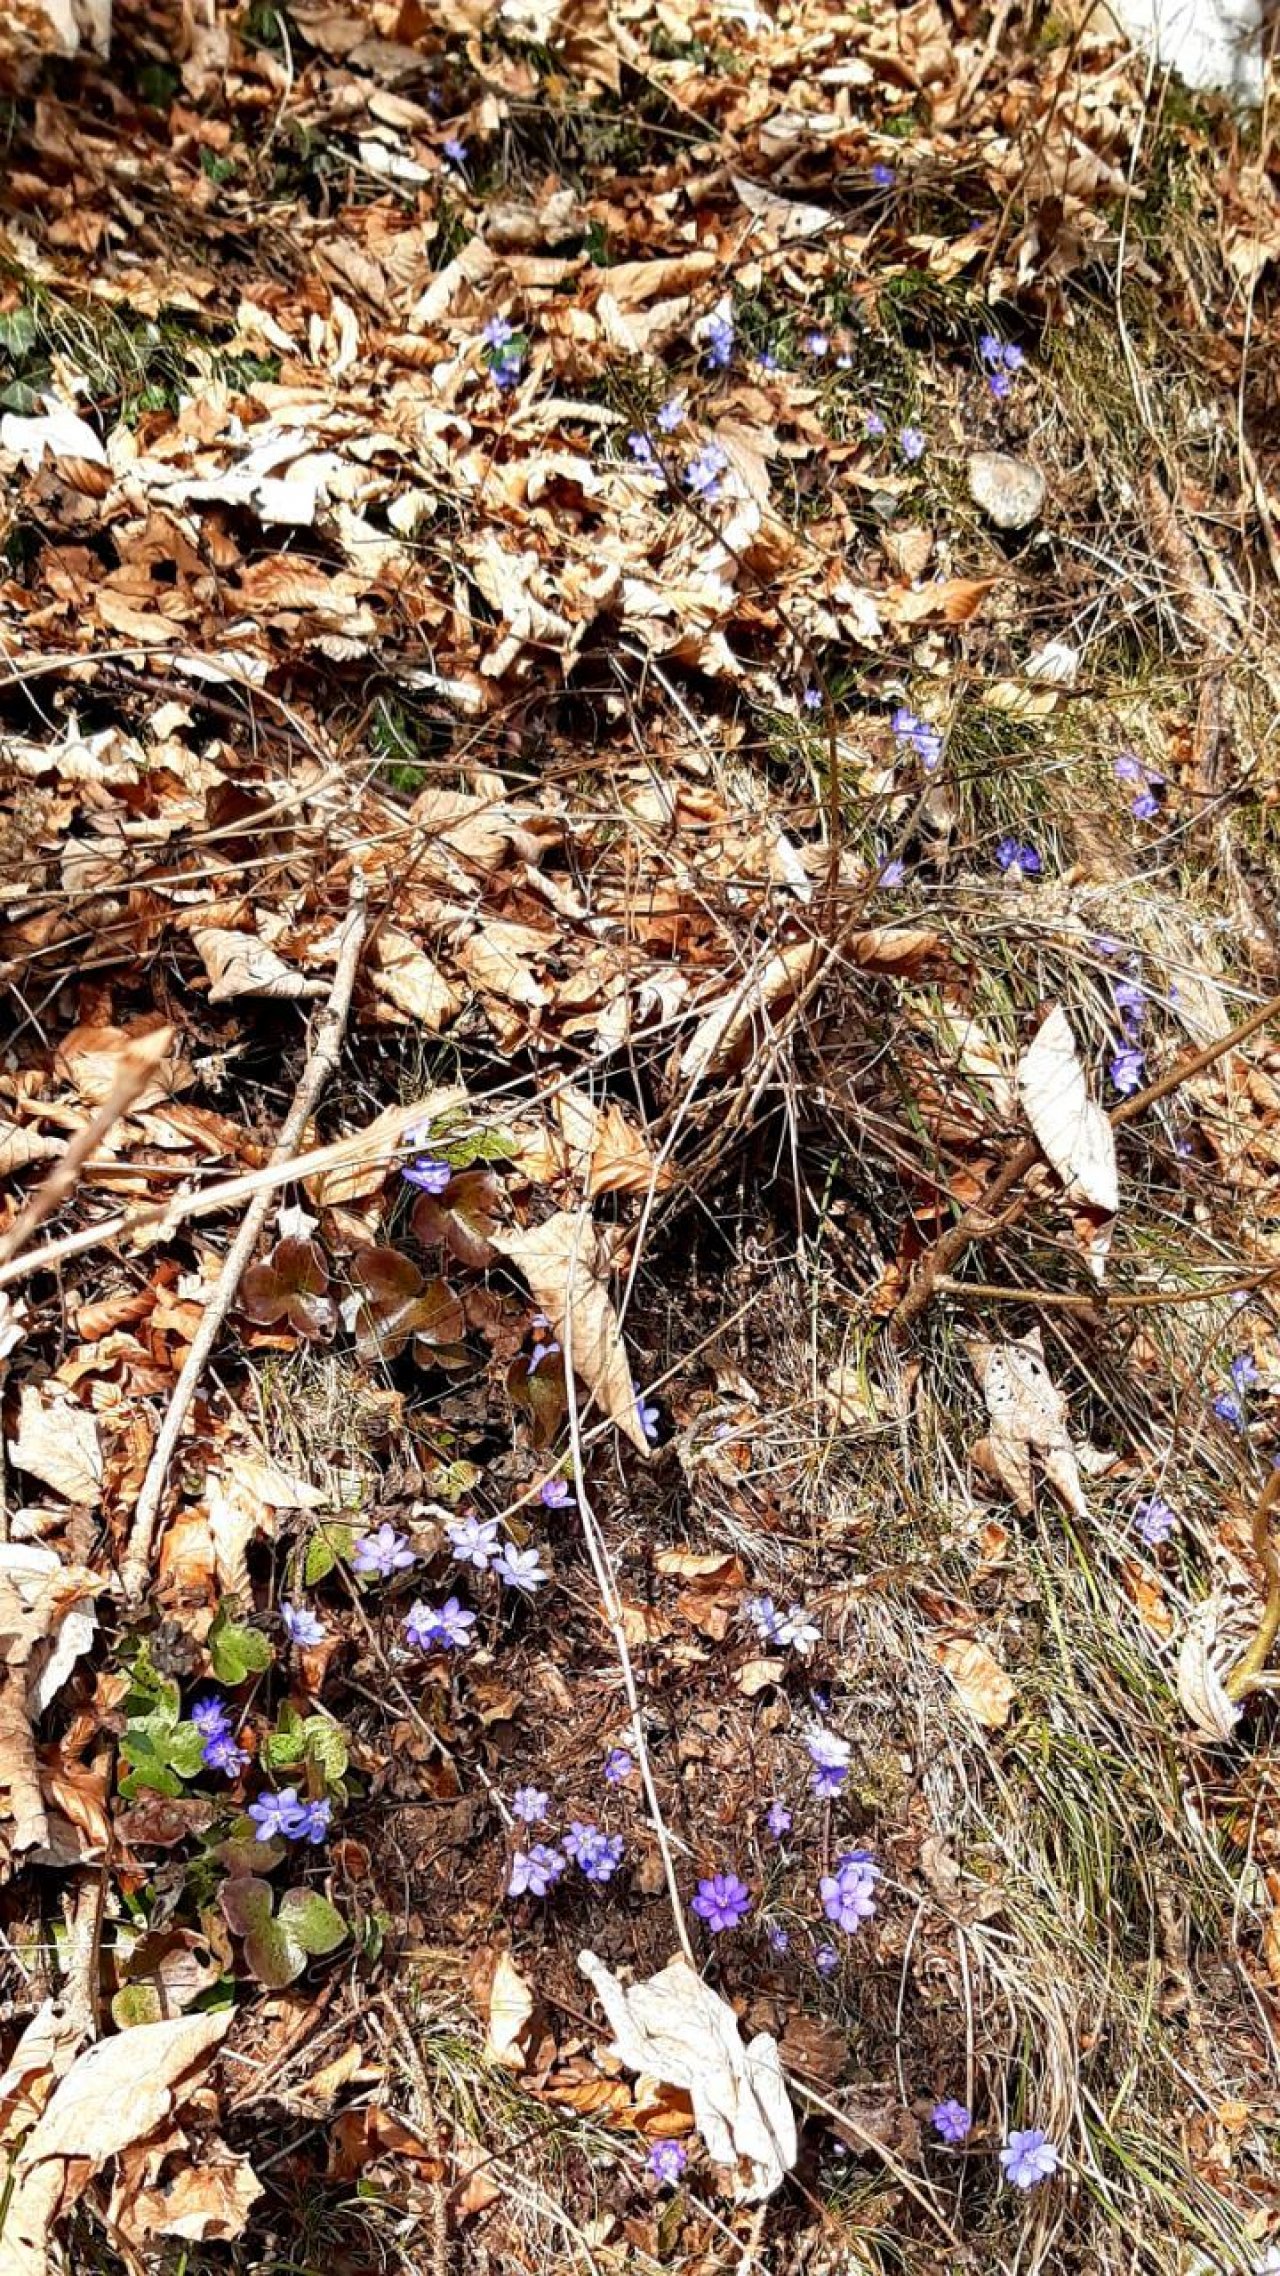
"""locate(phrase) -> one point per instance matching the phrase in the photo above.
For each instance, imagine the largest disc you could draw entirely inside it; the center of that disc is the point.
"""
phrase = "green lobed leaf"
(236, 1652)
(311, 1921)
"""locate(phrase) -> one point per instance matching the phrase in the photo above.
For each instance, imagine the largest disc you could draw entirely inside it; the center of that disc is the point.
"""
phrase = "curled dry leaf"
(558, 1260)
(239, 964)
(407, 978)
(510, 2014)
(396, 1303)
(117, 2093)
(58, 1443)
(980, 1680)
(1200, 1685)
(726, 1028)
(675, 2028)
(46, 1621)
(464, 1217)
(1070, 1126)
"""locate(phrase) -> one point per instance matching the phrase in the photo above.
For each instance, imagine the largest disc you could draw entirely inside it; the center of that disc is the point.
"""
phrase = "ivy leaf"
(236, 1652)
(276, 1949)
(541, 1395)
(463, 1217)
(292, 1284)
(398, 1303)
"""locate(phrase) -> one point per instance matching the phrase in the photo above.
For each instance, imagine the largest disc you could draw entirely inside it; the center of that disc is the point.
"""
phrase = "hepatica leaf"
(236, 1652)
(277, 1946)
(462, 1218)
(397, 1304)
(291, 1284)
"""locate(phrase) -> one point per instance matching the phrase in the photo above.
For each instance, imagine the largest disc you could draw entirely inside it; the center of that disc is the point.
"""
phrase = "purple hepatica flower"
(1229, 1410)
(1000, 385)
(991, 350)
(520, 1569)
(1155, 1520)
(439, 1628)
(812, 699)
(454, 149)
(598, 1855)
(911, 443)
(554, 1493)
(618, 1766)
(220, 1752)
(301, 1625)
(1242, 1370)
(274, 1814)
(779, 1939)
(702, 475)
(310, 1822)
(650, 1419)
(1013, 358)
(534, 1871)
(1145, 807)
(1029, 2157)
(826, 1959)
(1017, 859)
(719, 338)
(667, 2162)
(799, 1630)
(778, 1819)
(849, 1894)
(767, 360)
(1104, 945)
(1129, 767)
(723, 1901)
(210, 1717)
(951, 2121)
(473, 1540)
(893, 873)
(541, 1351)
(643, 453)
(498, 333)
(671, 415)
(1127, 1068)
(384, 1552)
(1131, 1001)
(816, 344)
(529, 1804)
(883, 176)
(829, 1754)
(873, 423)
(765, 1618)
(429, 1176)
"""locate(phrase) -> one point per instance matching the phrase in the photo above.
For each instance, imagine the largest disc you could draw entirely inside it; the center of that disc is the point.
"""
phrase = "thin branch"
(326, 1050)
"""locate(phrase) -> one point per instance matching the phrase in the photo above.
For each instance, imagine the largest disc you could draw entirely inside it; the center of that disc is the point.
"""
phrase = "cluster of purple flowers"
(218, 1743)
(829, 1754)
(1018, 859)
(1001, 360)
(535, 1871)
(596, 1854)
(1028, 2156)
(917, 735)
(720, 336)
(849, 1894)
(667, 2161)
(439, 1627)
(284, 1813)
(1128, 1065)
(1229, 1406)
(911, 443)
(428, 1175)
(795, 1627)
(702, 474)
(1129, 768)
(504, 351)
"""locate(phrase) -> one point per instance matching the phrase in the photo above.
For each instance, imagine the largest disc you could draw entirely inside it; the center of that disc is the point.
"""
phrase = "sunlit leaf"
(291, 1284)
(463, 1217)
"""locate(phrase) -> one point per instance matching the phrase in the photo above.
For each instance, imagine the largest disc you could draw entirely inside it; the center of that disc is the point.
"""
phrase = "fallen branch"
(330, 1030)
(138, 1064)
(983, 1217)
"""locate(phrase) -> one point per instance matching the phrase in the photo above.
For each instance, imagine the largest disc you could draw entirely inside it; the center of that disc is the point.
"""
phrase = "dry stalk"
(323, 1059)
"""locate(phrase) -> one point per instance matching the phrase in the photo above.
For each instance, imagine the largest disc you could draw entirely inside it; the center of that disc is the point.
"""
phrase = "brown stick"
(138, 1063)
(976, 1222)
(330, 1030)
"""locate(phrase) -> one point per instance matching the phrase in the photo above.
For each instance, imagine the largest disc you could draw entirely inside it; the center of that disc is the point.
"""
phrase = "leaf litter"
(658, 622)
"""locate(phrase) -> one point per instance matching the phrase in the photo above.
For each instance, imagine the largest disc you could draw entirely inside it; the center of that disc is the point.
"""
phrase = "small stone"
(1009, 490)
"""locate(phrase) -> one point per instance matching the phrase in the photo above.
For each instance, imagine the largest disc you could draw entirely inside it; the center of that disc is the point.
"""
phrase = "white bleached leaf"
(675, 2028)
(1071, 1127)
(57, 430)
(1200, 1686)
(1027, 1410)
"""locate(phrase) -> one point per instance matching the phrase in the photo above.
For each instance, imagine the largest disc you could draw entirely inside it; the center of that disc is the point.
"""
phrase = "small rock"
(1009, 490)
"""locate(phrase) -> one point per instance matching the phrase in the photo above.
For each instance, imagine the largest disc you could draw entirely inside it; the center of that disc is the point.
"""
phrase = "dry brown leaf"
(94, 1056)
(115, 2094)
(558, 1261)
(1070, 1127)
(954, 599)
(58, 1443)
(404, 975)
(47, 1621)
(982, 1683)
(894, 948)
(727, 1026)
(510, 2014)
(239, 964)
(1200, 1685)
(1027, 1410)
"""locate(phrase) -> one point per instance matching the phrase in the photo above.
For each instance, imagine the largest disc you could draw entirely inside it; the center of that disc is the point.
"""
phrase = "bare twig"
(323, 1059)
(138, 1063)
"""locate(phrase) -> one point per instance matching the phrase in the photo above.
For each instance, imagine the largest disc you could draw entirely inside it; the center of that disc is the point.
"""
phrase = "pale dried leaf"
(1028, 1410)
(239, 964)
(675, 2028)
(57, 1442)
(1072, 1129)
(558, 1261)
(1200, 1686)
(510, 2013)
(727, 1026)
(982, 1683)
(404, 975)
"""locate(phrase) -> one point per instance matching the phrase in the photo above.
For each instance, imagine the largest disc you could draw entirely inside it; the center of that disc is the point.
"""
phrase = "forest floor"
(640, 1129)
